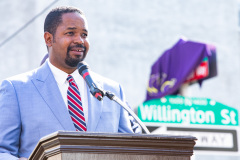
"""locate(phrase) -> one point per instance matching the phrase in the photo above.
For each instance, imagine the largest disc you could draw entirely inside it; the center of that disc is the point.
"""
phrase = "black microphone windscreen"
(82, 66)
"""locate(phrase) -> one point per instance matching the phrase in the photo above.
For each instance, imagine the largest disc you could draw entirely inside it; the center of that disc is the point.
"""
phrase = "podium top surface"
(112, 143)
(117, 135)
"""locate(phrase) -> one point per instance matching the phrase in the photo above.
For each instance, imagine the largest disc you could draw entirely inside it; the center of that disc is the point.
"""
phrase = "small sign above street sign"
(200, 72)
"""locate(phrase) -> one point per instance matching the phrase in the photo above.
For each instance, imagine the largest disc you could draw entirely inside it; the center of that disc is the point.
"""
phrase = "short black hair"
(54, 18)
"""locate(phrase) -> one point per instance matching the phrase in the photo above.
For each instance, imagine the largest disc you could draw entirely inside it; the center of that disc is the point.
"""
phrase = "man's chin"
(73, 61)
(79, 58)
(72, 64)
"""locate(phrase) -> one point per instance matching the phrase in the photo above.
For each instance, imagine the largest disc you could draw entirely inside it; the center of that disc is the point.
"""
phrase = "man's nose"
(78, 40)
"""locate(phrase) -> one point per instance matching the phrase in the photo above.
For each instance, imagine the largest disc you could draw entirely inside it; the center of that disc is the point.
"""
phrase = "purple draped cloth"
(174, 66)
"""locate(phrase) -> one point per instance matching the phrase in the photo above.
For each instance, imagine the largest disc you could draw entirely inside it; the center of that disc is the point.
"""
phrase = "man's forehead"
(74, 20)
(75, 28)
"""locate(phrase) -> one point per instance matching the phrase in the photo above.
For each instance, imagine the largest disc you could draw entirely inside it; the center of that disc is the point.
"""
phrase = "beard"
(71, 61)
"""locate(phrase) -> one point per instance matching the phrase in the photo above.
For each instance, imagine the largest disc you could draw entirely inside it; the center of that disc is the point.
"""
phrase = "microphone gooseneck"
(111, 96)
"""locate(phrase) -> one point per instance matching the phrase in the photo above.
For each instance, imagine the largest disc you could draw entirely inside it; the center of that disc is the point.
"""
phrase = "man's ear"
(48, 38)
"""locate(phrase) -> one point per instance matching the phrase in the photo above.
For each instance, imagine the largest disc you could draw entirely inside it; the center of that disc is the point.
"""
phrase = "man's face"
(70, 42)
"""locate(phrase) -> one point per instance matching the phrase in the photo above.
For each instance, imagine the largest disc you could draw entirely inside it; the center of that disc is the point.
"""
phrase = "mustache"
(76, 46)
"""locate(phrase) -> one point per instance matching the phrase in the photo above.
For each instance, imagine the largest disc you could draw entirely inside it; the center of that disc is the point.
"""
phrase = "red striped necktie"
(75, 105)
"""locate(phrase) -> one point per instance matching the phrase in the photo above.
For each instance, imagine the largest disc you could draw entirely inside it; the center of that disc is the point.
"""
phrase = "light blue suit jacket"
(31, 106)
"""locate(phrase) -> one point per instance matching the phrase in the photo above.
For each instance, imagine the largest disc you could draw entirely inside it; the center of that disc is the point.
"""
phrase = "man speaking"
(54, 96)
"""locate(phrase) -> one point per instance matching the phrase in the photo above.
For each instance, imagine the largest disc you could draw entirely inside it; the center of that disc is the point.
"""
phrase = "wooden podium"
(63, 145)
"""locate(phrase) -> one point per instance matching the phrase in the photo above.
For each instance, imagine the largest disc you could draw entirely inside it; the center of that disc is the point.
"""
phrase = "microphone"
(97, 92)
(83, 70)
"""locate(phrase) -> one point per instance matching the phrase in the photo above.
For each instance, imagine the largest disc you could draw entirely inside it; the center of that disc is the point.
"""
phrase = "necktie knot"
(70, 79)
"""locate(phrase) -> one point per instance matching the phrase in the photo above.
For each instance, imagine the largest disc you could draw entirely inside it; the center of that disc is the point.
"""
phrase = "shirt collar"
(76, 75)
(59, 75)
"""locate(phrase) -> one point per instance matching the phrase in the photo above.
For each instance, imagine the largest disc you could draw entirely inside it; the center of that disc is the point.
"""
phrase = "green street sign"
(184, 110)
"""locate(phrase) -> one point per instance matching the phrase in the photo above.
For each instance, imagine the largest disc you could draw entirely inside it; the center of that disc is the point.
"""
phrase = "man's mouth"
(78, 50)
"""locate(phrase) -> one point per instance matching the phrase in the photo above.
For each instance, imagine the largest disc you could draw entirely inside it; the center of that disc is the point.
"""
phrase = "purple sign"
(174, 66)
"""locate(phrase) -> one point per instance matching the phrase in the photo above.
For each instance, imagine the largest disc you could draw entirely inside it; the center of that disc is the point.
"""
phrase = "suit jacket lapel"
(48, 89)
(94, 111)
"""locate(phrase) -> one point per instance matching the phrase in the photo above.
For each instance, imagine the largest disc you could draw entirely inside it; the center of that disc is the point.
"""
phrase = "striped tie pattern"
(75, 105)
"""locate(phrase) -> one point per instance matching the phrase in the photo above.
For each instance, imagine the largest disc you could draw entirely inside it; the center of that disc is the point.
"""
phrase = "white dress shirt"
(61, 78)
